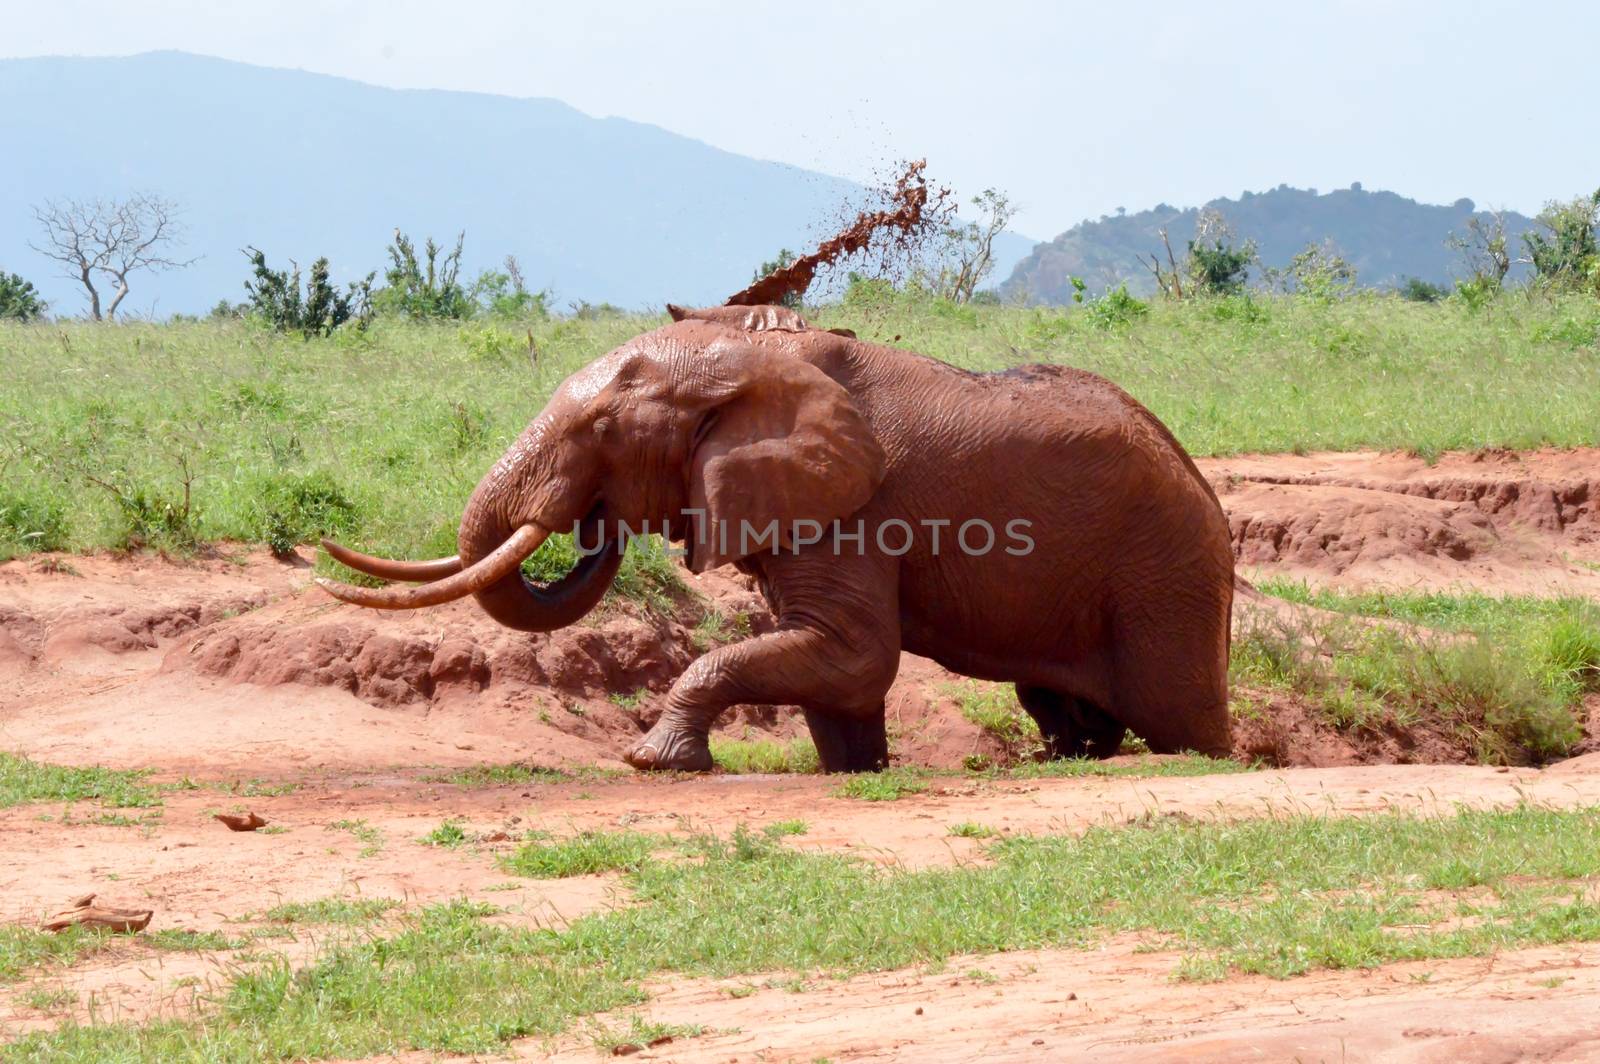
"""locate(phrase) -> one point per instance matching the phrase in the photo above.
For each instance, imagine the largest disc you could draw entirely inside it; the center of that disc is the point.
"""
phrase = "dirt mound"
(1492, 520)
(237, 650)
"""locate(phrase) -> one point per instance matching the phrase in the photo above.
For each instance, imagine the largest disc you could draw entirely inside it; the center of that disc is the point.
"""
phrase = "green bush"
(423, 291)
(19, 300)
(30, 523)
(295, 509)
(1115, 309)
(275, 298)
(1416, 290)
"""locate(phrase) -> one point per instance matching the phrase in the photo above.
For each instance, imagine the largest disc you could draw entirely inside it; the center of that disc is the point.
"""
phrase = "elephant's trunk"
(515, 601)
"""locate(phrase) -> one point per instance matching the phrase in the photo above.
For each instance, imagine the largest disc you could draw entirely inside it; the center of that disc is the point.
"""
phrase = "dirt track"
(228, 670)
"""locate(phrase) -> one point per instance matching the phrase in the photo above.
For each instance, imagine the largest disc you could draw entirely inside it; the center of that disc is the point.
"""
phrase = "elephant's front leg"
(835, 654)
(796, 666)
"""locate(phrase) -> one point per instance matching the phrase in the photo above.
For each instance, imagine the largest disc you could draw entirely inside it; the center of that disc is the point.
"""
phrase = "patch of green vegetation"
(716, 628)
(994, 708)
(747, 755)
(449, 835)
(520, 772)
(885, 786)
(639, 1034)
(49, 998)
(1505, 673)
(190, 941)
(326, 434)
(779, 829)
(1140, 767)
(628, 702)
(1278, 896)
(371, 838)
(587, 853)
(26, 948)
(330, 911)
(968, 829)
(23, 780)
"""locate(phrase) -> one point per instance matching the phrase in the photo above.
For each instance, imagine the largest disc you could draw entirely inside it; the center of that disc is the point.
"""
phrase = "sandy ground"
(232, 669)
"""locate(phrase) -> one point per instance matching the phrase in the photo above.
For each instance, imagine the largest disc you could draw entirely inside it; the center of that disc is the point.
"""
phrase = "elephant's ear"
(786, 443)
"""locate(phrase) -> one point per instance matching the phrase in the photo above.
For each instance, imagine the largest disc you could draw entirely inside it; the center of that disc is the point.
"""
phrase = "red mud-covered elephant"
(1037, 526)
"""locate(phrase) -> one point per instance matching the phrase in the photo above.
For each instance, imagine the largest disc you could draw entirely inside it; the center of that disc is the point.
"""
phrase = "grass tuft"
(885, 786)
(766, 756)
(23, 780)
(588, 853)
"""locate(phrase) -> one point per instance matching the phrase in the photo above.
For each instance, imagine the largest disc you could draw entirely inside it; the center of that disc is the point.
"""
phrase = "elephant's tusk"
(486, 571)
(388, 569)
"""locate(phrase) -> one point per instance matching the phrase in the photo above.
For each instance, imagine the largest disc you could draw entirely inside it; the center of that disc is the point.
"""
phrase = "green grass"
(371, 838)
(25, 948)
(284, 438)
(1140, 767)
(885, 786)
(450, 835)
(779, 829)
(330, 911)
(969, 829)
(587, 853)
(994, 708)
(745, 756)
(180, 940)
(518, 772)
(23, 780)
(1278, 896)
(1504, 674)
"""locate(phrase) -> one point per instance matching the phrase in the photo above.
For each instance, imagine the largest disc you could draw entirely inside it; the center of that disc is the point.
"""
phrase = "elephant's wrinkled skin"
(1117, 618)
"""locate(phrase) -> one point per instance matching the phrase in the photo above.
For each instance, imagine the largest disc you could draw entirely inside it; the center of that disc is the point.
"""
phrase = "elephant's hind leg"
(1070, 726)
(849, 743)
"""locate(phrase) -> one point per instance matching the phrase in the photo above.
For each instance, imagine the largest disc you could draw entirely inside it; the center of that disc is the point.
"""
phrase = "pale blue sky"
(1073, 109)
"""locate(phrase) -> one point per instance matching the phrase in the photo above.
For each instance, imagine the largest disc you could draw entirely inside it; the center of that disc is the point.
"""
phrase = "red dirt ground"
(234, 667)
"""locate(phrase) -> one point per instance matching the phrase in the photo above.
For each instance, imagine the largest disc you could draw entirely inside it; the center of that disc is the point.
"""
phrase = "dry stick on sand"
(83, 912)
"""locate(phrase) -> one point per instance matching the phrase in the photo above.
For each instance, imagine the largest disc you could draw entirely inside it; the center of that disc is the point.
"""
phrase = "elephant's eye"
(602, 425)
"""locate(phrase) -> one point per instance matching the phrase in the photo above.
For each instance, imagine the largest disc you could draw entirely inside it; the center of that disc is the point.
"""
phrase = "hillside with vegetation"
(1386, 237)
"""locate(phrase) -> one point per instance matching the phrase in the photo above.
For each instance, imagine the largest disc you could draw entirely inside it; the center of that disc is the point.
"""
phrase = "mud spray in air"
(914, 214)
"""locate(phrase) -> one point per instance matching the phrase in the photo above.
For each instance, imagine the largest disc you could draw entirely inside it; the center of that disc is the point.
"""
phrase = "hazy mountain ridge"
(1387, 237)
(302, 165)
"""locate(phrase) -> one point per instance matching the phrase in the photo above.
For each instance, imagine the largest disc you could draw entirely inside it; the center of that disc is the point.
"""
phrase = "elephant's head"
(695, 418)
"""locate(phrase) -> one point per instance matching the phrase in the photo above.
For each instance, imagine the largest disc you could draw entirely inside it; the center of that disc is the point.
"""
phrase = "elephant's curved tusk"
(487, 570)
(389, 569)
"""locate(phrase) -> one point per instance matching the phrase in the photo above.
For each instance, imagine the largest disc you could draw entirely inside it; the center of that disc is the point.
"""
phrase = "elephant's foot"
(1071, 727)
(670, 746)
(847, 743)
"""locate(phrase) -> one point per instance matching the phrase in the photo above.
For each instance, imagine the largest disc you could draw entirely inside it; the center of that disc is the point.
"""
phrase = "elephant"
(1103, 593)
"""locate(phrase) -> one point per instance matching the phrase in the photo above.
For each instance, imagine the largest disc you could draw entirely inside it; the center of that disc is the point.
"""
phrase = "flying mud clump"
(915, 214)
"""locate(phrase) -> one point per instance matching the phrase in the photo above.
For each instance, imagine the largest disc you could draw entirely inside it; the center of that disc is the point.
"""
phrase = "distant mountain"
(302, 165)
(1385, 236)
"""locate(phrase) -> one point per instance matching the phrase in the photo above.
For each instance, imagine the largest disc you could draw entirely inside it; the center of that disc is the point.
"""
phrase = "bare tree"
(109, 240)
(969, 249)
(1484, 247)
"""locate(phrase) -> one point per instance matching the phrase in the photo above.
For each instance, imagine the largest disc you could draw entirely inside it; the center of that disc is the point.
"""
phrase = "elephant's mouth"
(496, 578)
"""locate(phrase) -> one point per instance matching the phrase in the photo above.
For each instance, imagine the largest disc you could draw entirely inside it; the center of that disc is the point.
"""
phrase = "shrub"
(421, 291)
(296, 509)
(504, 294)
(19, 300)
(1219, 269)
(1567, 253)
(1416, 290)
(29, 523)
(1115, 309)
(275, 298)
